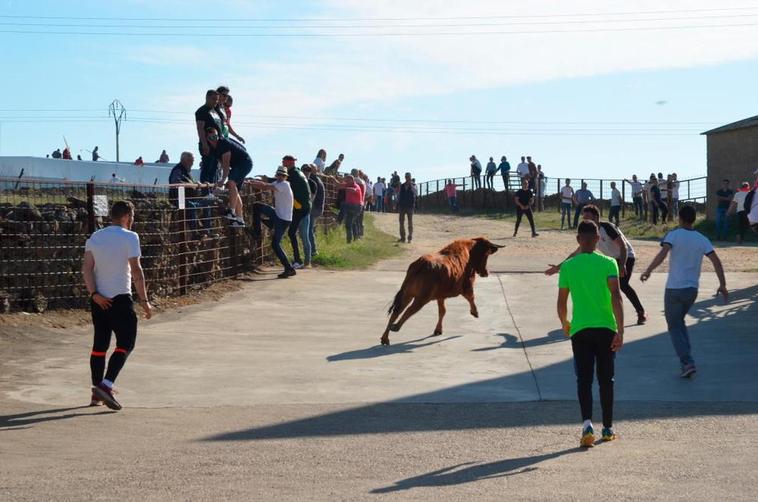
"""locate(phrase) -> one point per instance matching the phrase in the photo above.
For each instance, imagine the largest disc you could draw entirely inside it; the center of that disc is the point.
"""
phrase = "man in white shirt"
(687, 247)
(278, 217)
(674, 194)
(522, 169)
(615, 204)
(637, 191)
(111, 263)
(567, 197)
(379, 195)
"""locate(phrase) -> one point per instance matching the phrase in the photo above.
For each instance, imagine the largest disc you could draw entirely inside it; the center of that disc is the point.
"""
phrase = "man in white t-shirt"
(687, 247)
(278, 218)
(111, 263)
(523, 168)
(567, 197)
(613, 214)
(379, 195)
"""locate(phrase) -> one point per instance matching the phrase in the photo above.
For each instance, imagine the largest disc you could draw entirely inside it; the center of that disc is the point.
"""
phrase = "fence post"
(90, 208)
(601, 197)
(183, 276)
(623, 199)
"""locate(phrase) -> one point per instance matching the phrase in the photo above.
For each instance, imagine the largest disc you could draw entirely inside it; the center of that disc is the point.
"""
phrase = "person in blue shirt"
(582, 197)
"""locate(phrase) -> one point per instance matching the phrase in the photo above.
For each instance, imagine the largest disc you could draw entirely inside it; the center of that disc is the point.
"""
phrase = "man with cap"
(301, 205)
(235, 165)
(279, 217)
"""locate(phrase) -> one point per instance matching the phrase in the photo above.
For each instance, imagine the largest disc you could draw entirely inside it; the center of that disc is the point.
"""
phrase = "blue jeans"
(278, 225)
(453, 201)
(566, 213)
(312, 230)
(722, 222)
(676, 304)
(196, 208)
(638, 208)
(379, 204)
(304, 230)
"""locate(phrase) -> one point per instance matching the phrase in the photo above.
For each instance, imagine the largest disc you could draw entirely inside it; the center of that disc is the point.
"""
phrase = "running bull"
(449, 272)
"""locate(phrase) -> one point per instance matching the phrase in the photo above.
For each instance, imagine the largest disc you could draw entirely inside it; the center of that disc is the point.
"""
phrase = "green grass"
(551, 220)
(335, 253)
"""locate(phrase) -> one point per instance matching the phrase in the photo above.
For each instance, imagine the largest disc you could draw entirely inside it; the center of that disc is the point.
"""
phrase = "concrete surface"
(282, 392)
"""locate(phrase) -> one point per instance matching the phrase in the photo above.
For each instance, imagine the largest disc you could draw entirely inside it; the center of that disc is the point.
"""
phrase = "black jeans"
(591, 346)
(630, 293)
(521, 212)
(613, 214)
(120, 319)
(404, 212)
(208, 167)
(476, 181)
(297, 215)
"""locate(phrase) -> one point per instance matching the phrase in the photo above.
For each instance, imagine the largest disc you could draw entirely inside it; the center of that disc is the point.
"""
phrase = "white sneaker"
(237, 224)
(297, 265)
(229, 215)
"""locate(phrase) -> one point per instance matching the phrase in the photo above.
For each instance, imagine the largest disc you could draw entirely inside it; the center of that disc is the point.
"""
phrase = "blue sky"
(585, 94)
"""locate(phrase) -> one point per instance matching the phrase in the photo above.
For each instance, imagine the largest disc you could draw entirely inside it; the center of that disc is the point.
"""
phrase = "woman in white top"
(320, 161)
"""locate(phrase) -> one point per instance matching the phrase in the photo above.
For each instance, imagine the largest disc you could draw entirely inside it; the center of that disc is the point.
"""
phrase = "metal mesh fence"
(44, 225)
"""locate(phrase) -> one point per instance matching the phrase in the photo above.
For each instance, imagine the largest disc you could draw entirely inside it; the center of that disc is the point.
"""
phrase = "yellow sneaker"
(608, 434)
(588, 438)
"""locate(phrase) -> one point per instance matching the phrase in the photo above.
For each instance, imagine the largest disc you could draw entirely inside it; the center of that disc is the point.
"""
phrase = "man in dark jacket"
(301, 208)
(405, 203)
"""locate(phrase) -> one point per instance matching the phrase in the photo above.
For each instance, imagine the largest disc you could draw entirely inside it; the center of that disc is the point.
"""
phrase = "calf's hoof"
(395, 327)
(385, 340)
(475, 313)
(437, 332)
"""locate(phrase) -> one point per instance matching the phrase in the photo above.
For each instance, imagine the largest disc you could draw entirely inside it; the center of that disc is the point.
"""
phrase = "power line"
(350, 19)
(377, 34)
(378, 26)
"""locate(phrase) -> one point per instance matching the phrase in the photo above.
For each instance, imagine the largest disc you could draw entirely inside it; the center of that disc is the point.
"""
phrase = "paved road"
(281, 391)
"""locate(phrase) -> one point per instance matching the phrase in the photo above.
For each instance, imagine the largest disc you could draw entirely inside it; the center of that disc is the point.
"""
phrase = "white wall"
(84, 170)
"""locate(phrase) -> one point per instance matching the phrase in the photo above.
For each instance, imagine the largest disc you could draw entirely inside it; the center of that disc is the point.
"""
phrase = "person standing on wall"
(476, 173)
(505, 170)
(207, 117)
(489, 180)
(405, 204)
(111, 264)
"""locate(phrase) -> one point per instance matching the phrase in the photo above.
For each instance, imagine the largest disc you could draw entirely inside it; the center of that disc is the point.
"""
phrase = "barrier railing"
(44, 225)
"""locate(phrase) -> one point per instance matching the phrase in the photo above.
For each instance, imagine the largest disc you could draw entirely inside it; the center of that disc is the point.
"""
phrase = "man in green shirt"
(597, 325)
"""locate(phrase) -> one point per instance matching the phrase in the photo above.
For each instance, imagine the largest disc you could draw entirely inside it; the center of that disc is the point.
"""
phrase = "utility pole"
(118, 112)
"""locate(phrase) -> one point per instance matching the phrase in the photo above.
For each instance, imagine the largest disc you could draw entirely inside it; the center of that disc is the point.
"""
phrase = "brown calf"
(445, 274)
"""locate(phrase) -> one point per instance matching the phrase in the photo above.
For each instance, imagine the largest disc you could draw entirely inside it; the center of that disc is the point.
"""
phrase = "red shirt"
(451, 190)
(353, 195)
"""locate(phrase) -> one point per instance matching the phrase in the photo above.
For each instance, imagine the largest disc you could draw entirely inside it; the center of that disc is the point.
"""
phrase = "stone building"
(732, 155)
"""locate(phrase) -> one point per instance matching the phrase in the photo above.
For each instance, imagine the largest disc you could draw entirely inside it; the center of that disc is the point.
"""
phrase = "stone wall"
(732, 155)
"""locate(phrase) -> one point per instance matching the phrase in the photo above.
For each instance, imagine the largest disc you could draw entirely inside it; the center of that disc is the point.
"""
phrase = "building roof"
(740, 124)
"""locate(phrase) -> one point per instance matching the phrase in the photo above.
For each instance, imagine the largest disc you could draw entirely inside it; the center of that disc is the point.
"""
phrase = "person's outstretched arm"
(554, 269)
(665, 248)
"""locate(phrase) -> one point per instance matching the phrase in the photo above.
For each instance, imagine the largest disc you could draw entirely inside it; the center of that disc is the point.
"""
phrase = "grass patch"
(335, 253)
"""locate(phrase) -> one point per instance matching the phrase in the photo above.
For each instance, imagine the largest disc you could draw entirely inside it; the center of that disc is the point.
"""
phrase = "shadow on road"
(23, 420)
(381, 350)
(470, 472)
(512, 341)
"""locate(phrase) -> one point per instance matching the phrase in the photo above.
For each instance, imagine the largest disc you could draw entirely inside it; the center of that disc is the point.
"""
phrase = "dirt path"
(431, 232)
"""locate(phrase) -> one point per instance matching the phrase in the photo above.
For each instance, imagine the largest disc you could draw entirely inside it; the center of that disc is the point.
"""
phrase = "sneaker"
(297, 265)
(608, 434)
(105, 393)
(409, 239)
(535, 234)
(237, 224)
(287, 274)
(641, 318)
(229, 215)
(307, 265)
(95, 401)
(588, 438)
(401, 239)
(688, 371)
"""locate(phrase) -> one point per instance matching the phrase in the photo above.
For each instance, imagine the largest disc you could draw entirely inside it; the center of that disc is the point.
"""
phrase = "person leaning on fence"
(317, 204)
(567, 198)
(406, 202)
(301, 210)
(451, 190)
(351, 205)
(637, 191)
(524, 199)
(659, 207)
(235, 165)
(278, 218)
(582, 197)
(111, 264)
(181, 175)
(358, 222)
(738, 208)
(505, 170)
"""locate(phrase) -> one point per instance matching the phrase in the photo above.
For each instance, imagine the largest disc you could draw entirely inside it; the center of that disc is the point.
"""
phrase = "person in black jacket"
(405, 203)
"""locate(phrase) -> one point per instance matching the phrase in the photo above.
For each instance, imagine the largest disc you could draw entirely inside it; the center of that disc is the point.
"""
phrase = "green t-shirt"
(586, 277)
